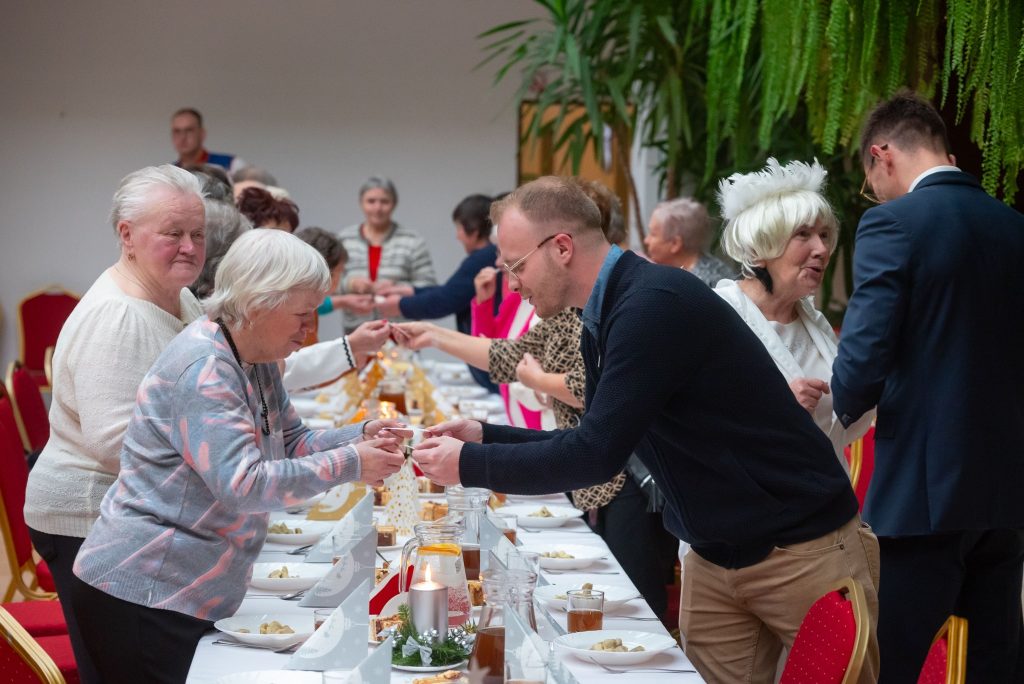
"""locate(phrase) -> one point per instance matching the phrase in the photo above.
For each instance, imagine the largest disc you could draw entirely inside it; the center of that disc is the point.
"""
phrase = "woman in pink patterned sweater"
(214, 445)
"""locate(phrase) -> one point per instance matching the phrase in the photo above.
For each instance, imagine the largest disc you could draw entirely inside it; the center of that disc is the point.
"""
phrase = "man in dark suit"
(934, 335)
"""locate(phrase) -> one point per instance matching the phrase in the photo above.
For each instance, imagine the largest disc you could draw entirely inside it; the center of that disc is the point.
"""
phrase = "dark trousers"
(133, 643)
(59, 553)
(641, 544)
(974, 575)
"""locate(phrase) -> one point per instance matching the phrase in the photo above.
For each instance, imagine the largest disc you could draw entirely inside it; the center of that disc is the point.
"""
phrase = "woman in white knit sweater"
(107, 345)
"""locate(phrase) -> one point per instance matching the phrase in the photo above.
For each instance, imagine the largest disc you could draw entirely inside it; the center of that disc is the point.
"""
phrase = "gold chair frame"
(853, 592)
(955, 631)
(29, 650)
(856, 461)
(48, 365)
(26, 443)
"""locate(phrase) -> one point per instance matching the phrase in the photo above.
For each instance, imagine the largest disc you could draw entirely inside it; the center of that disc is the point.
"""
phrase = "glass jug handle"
(407, 551)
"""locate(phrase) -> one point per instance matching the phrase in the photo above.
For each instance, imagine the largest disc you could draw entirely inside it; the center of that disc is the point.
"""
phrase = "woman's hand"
(415, 335)
(486, 284)
(400, 290)
(529, 371)
(360, 285)
(361, 304)
(369, 337)
(378, 458)
(808, 392)
(376, 429)
(462, 429)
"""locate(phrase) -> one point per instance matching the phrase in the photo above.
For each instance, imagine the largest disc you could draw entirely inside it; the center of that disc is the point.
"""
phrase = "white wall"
(321, 92)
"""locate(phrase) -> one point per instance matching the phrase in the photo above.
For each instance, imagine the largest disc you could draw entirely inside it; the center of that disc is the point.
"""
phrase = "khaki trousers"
(734, 623)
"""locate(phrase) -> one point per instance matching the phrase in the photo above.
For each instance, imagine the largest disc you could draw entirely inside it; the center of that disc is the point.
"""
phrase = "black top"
(676, 375)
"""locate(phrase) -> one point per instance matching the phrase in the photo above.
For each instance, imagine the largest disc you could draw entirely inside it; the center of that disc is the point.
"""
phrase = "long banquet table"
(212, 662)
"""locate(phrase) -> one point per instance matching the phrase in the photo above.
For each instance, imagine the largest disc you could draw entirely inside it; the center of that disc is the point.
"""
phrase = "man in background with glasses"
(934, 335)
(675, 375)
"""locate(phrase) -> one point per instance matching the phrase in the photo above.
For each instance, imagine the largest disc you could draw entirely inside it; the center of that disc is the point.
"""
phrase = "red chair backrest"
(824, 643)
(41, 316)
(14, 468)
(30, 406)
(935, 664)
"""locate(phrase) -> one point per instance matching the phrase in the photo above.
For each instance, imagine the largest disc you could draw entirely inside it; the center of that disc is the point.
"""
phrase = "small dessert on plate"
(446, 677)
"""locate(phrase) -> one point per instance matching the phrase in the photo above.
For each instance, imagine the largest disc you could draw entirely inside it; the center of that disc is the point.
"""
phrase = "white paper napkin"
(340, 643)
(376, 668)
(354, 524)
(354, 566)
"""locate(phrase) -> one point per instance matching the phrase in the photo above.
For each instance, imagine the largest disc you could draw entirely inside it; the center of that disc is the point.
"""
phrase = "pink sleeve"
(484, 323)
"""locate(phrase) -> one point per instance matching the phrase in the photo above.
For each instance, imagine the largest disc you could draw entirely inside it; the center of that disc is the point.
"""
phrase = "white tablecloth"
(211, 662)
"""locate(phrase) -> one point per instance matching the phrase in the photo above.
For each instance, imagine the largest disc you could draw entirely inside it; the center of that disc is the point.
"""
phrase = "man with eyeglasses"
(934, 336)
(675, 375)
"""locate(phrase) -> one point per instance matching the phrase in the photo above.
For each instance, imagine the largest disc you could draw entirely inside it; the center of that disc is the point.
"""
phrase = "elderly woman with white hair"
(214, 445)
(679, 235)
(782, 231)
(124, 321)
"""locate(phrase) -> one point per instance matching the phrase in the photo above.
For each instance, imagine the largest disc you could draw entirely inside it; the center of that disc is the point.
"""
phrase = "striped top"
(404, 260)
(181, 526)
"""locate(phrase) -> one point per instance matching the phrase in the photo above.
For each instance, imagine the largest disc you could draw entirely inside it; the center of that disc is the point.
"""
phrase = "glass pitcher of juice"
(466, 505)
(504, 590)
(438, 545)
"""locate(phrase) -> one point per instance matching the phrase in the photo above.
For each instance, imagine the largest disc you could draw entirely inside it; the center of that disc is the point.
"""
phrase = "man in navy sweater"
(674, 374)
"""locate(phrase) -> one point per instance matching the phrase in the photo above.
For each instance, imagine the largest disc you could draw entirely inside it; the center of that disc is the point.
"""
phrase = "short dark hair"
(326, 243)
(260, 207)
(474, 213)
(189, 110)
(907, 120)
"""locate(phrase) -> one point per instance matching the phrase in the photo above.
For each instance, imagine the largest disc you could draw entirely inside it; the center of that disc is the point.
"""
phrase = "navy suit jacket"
(934, 335)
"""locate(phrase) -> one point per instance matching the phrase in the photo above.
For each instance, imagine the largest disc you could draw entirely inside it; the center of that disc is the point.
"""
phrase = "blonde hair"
(552, 199)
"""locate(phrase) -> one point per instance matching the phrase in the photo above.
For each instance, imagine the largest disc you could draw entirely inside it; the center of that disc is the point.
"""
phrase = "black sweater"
(677, 376)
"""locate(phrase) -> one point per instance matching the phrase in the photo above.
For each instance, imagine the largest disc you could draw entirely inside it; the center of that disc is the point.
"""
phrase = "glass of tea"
(586, 610)
(320, 616)
(506, 522)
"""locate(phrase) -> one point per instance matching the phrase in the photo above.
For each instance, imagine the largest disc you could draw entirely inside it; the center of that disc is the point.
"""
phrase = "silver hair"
(133, 195)
(224, 224)
(382, 182)
(261, 269)
(761, 231)
(687, 219)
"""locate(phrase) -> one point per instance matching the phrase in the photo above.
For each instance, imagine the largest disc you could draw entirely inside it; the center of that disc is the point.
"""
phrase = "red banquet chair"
(946, 662)
(29, 407)
(832, 641)
(41, 315)
(46, 659)
(17, 543)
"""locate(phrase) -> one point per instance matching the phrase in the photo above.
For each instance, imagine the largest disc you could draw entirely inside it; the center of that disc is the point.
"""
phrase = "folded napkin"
(354, 567)
(376, 668)
(340, 643)
(355, 523)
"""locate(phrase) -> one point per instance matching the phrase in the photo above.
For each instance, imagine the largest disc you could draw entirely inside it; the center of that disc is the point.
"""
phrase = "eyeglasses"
(513, 269)
(869, 195)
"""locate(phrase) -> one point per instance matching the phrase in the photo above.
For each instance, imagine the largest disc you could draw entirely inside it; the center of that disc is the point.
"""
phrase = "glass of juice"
(586, 610)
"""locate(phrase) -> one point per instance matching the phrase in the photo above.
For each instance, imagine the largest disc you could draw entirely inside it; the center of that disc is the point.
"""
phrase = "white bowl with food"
(542, 516)
(620, 647)
(566, 556)
(297, 532)
(277, 630)
(615, 596)
(287, 576)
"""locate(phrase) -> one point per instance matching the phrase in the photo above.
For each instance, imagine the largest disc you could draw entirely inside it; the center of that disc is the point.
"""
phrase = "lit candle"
(428, 604)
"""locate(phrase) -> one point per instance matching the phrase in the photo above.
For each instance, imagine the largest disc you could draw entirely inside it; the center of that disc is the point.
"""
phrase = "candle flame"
(426, 574)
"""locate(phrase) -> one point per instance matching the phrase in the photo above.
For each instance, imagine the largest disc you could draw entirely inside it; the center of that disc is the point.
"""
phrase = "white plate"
(302, 623)
(312, 530)
(429, 668)
(614, 596)
(559, 515)
(272, 677)
(582, 556)
(579, 645)
(308, 574)
(463, 391)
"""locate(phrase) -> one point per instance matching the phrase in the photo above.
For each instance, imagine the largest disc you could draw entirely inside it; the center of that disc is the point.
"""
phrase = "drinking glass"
(586, 610)
(320, 616)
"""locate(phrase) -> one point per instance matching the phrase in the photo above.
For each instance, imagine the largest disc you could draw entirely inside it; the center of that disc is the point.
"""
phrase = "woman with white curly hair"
(782, 231)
